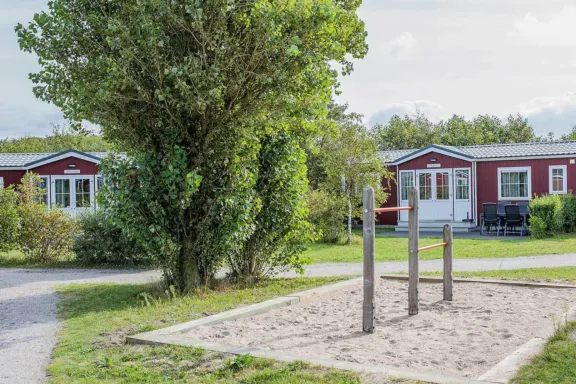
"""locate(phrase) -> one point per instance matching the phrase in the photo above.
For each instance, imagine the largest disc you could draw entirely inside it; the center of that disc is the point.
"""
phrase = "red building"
(71, 178)
(454, 182)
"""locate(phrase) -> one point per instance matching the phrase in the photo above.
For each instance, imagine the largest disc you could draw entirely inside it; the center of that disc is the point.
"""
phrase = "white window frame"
(1, 182)
(469, 170)
(400, 182)
(564, 169)
(48, 188)
(515, 169)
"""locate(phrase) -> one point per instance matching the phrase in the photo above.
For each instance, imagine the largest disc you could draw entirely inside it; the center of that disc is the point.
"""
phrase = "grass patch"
(556, 364)
(395, 249)
(16, 259)
(97, 317)
(555, 274)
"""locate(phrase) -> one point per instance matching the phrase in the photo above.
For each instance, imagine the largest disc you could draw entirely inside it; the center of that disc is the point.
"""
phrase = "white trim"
(475, 201)
(72, 172)
(469, 184)
(413, 172)
(527, 169)
(564, 169)
(438, 150)
(13, 168)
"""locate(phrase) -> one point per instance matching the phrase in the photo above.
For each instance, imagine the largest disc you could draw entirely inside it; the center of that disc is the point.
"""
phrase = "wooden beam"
(428, 247)
(392, 209)
(413, 242)
(448, 250)
(369, 225)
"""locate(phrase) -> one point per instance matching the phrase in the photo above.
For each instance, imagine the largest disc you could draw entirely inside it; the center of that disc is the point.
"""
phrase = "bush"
(327, 213)
(546, 217)
(45, 235)
(8, 219)
(568, 212)
(102, 242)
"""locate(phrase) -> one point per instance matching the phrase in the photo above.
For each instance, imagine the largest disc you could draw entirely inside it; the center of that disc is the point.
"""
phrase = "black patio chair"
(501, 207)
(490, 218)
(513, 219)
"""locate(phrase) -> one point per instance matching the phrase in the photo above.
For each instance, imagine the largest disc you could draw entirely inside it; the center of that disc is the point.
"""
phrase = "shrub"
(327, 213)
(568, 212)
(8, 218)
(546, 215)
(45, 235)
(102, 242)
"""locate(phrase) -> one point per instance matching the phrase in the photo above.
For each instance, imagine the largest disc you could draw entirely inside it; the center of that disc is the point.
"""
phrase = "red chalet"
(454, 182)
(71, 178)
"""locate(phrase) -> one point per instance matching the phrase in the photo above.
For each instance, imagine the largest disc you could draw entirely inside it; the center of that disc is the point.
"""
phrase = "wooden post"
(369, 239)
(413, 245)
(448, 281)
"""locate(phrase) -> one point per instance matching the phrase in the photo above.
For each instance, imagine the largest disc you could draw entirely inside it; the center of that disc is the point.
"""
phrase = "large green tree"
(417, 131)
(200, 86)
(61, 139)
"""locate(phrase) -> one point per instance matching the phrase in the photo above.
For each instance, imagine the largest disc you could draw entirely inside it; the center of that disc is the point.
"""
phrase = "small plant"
(8, 219)
(239, 363)
(106, 362)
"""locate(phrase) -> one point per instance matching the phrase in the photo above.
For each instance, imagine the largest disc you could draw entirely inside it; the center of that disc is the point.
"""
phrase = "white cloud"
(559, 29)
(432, 110)
(551, 114)
(401, 46)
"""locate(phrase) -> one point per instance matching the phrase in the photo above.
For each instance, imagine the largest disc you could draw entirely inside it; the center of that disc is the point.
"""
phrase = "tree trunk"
(349, 240)
(187, 273)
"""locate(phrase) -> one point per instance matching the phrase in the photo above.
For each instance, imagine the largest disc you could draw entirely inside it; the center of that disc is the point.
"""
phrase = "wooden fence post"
(413, 245)
(448, 281)
(369, 239)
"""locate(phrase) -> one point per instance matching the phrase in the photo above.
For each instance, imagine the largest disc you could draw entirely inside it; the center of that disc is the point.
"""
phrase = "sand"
(465, 338)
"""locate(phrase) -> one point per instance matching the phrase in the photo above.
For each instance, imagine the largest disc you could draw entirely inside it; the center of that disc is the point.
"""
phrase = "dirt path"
(28, 322)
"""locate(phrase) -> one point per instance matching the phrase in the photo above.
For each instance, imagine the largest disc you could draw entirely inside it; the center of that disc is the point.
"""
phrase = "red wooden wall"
(488, 177)
(390, 186)
(58, 167)
(12, 177)
(443, 160)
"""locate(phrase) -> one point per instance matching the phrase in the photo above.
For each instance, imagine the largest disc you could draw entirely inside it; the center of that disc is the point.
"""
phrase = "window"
(462, 184)
(558, 179)
(1, 182)
(425, 185)
(514, 183)
(62, 192)
(43, 184)
(82, 189)
(442, 186)
(406, 182)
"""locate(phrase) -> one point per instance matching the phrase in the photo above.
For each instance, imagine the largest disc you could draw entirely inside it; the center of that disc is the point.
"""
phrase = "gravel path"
(28, 322)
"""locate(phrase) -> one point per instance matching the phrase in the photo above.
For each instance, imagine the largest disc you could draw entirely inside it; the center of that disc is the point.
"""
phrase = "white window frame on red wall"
(564, 179)
(528, 171)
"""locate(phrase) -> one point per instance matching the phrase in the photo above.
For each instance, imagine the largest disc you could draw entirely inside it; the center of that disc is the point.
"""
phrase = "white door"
(406, 183)
(73, 194)
(436, 195)
(462, 193)
(425, 181)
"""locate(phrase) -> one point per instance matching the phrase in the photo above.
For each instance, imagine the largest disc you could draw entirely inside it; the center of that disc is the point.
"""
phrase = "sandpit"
(465, 337)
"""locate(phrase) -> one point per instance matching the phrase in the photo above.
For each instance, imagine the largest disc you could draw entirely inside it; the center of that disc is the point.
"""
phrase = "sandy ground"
(465, 337)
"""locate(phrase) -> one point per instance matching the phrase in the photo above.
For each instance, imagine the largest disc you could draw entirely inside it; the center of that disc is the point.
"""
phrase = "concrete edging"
(517, 283)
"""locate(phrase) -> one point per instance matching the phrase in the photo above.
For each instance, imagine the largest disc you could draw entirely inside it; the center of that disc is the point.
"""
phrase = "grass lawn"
(556, 364)
(16, 259)
(96, 318)
(392, 248)
(555, 274)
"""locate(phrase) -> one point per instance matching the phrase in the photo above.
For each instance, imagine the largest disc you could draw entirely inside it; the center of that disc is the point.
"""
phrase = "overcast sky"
(439, 56)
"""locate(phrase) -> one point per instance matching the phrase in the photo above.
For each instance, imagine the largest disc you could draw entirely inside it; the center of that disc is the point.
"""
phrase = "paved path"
(339, 269)
(28, 323)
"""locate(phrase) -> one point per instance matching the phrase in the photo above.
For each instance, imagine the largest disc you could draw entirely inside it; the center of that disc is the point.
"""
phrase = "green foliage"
(199, 87)
(8, 218)
(551, 214)
(569, 212)
(239, 363)
(276, 231)
(327, 212)
(60, 140)
(345, 161)
(45, 235)
(100, 242)
(417, 131)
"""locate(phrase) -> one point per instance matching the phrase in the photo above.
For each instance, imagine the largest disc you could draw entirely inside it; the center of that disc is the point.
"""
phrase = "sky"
(439, 57)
